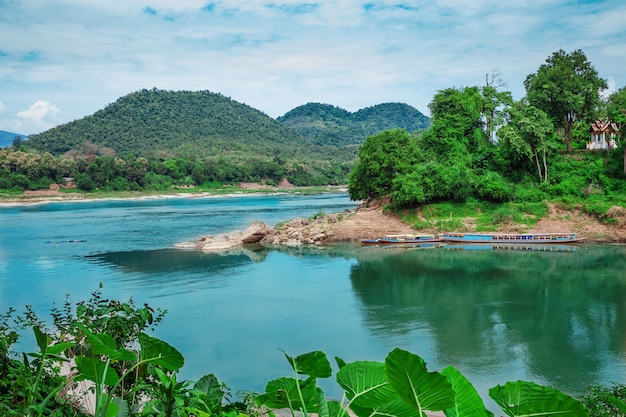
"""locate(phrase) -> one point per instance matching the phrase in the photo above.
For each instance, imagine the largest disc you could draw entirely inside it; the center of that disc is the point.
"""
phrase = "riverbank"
(363, 223)
(51, 196)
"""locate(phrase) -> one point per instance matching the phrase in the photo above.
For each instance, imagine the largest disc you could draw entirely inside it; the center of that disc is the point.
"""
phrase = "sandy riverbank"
(367, 222)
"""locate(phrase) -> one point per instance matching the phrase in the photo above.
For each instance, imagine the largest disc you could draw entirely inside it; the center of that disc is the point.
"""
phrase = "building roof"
(603, 126)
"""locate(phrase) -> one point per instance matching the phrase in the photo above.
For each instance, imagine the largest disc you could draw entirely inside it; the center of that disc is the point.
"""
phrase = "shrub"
(597, 399)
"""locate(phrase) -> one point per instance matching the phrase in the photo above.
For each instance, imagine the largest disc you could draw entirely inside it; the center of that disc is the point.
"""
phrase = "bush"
(493, 187)
(596, 399)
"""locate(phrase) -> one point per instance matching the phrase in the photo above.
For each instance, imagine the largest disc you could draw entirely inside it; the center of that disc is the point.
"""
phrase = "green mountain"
(146, 121)
(205, 124)
(325, 124)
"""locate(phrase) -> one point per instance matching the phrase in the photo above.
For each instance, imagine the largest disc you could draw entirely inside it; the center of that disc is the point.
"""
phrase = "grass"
(487, 216)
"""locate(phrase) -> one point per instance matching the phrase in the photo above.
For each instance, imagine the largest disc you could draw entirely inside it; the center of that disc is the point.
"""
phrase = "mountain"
(154, 120)
(325, 124)
(7, 138)
(202, 123)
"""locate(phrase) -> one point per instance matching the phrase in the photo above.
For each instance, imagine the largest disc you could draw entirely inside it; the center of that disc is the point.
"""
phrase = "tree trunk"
(545, 167)
(569, 127)
(538, 167)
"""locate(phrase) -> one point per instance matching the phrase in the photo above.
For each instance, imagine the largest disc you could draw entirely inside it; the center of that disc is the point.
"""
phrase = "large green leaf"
(311, 364)
(366, 384)
(283, 393)
(103, 344)
(468, 403)
(395, 408)
(335, 409)
(46, 350)
(524, 399)
(210, 386)
(160, 353)
(419, 388)
(96, 370)
(621, 405)
(42, 339)
(59, 348)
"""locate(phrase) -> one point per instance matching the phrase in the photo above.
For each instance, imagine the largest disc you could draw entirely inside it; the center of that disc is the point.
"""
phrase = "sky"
(61, 60)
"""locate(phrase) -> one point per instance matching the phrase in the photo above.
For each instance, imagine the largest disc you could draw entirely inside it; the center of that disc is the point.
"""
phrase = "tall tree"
(527, 136)
(567, 87)
(616, 110)
(456, 125)
(494, 103)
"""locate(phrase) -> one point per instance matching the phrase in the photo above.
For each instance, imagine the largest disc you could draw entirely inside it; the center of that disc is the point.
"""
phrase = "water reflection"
(168, 260)
(558, 318)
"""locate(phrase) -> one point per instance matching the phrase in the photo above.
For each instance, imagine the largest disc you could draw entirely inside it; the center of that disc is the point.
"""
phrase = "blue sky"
(61, 60)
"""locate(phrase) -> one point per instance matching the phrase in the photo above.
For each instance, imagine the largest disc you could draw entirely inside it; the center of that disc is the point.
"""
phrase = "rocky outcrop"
(296, 232)
(253, 234)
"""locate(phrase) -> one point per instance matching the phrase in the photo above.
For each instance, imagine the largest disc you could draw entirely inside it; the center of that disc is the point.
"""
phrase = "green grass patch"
(487, 216)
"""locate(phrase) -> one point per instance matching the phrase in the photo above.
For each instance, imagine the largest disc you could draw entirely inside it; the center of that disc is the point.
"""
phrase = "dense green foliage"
(135, 374)
(324, 124)
(600, 400)
(154, 140)
(458, 159)
(567, 87)
(93, 170)
(146, 121)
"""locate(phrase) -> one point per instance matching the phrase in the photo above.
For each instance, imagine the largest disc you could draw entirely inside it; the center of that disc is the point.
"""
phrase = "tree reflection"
(558, 318)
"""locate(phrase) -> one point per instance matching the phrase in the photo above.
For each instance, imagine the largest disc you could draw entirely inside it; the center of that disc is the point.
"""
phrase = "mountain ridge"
(204, 123)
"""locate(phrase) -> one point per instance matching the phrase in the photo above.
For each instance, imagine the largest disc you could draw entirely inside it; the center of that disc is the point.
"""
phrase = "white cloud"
(280, 54)
(42, 115)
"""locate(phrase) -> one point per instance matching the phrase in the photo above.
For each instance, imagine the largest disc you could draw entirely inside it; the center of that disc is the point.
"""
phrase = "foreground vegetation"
(130, 373)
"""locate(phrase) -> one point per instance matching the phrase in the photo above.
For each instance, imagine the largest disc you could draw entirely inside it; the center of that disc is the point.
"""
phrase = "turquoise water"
(555, 316)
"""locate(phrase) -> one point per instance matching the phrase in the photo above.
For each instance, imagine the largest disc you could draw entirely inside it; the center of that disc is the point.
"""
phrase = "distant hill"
(7, 138)
(325, 124)
(203, 123)
(155, 120)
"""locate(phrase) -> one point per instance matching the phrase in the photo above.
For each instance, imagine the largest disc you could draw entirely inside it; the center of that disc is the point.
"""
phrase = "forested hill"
(325, 124)
(201, 122)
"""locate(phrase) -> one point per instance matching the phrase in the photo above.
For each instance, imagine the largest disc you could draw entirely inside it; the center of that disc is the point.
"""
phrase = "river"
(555, 316)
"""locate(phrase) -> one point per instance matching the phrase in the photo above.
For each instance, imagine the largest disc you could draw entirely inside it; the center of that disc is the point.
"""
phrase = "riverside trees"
(567, 87)
(456, 158)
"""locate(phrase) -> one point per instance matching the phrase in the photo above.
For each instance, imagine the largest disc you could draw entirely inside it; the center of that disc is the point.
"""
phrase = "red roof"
(603, 126)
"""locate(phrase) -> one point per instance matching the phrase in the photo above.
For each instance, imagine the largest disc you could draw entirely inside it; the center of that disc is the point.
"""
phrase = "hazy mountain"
(7, 138)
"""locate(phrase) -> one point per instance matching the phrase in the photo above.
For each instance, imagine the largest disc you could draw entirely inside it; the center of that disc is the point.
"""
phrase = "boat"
(512, 238)
(403, 239)
(369, 242)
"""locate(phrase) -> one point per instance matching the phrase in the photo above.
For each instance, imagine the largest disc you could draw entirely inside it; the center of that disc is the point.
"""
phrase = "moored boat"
(512, 238)
(408, 239)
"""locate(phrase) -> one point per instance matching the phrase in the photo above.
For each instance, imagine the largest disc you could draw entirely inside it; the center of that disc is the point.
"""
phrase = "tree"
(567, 87)
(527, 136)
(616, 110)
(456, 118)
(382, 157)
(494, 102)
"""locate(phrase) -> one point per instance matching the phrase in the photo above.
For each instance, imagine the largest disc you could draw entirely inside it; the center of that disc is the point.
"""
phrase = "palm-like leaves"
(522, 399)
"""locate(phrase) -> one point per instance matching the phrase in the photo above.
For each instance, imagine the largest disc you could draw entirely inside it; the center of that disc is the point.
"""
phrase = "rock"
(294, 233)
(253, 234)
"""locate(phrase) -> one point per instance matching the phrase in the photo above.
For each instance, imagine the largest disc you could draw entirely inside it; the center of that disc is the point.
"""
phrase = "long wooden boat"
(512, 238)
(404, 239)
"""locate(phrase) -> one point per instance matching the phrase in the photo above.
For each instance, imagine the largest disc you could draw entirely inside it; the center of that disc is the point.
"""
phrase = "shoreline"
(48, 197)
(363, 223)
